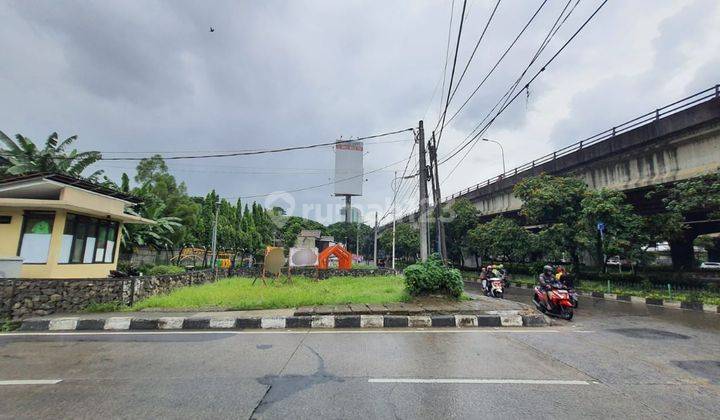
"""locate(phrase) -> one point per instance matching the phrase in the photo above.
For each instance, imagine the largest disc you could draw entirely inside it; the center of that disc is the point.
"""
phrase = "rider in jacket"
(546, 280)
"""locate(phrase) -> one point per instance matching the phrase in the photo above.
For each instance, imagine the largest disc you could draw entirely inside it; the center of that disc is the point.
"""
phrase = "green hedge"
(160, 270)
(433, 277)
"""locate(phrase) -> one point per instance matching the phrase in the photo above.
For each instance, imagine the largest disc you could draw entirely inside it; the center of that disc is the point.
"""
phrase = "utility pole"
(423, 211)
(394, 214)
(437, 200)
(375, 241)
(214, 235)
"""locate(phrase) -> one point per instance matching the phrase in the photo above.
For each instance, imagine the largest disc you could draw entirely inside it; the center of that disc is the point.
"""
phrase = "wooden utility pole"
(423, 211)
(437, 200)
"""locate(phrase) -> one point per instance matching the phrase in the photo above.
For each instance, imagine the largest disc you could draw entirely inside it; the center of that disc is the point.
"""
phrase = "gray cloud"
(137, 76)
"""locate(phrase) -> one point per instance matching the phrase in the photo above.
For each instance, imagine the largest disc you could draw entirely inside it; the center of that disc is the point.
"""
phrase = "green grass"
(238, 293)
(7, 325)
(103, 307)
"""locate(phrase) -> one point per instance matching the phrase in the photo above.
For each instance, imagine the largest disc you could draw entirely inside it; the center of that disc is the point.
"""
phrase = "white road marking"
(478, 381)
(31, 382)
(305, 331)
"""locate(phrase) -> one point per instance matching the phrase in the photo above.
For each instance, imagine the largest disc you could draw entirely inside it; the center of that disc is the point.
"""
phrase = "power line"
(327, 183)
(236, 150)
(452, 73)
(477, 44)
(550, 35)
(447, 53)
(267, 151)
(495, 66)
(527, 85)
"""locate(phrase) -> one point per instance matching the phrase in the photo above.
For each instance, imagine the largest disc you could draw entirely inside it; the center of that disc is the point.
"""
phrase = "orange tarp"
(344, 257)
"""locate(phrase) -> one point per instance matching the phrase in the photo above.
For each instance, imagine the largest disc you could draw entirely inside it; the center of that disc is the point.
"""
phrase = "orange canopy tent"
(343, 255)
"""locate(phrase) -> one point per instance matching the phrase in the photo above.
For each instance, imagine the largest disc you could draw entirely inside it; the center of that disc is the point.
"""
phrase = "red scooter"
(560, 304)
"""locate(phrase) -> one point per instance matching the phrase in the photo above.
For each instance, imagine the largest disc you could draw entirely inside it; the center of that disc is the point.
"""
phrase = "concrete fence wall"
(21, 298)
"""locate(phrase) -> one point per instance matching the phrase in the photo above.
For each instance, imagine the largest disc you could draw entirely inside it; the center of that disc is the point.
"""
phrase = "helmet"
(547, 268)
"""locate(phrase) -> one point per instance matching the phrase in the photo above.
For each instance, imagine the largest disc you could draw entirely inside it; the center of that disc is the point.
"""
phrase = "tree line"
(570, 221)
(181, 219)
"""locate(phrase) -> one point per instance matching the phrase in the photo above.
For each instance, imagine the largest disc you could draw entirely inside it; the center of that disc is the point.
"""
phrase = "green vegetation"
(706, 297)
(23, 156)
(238, 293)
(161, 270)
(104, 307)
(407, 241)
(7, 325)
(433, 277)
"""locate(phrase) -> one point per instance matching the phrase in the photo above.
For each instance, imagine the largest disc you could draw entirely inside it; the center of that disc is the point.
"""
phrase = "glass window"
(36, 236)
(101, 242)
(87, 240)
(90, 241)
(110, 248)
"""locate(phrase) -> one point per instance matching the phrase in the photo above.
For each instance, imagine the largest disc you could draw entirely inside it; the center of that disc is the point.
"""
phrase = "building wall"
(10, 238)
(10, 233)
(94, 201)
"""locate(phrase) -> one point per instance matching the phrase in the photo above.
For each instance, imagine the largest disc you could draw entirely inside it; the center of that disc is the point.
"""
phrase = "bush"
(160, 270)
(433, 277)
(103, 307)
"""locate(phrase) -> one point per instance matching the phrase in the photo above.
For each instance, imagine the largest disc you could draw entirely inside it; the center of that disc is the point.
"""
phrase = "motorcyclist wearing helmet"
(546, 280)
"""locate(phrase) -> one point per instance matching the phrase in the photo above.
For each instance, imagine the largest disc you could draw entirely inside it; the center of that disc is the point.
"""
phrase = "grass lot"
(710, 298)
(238, 293)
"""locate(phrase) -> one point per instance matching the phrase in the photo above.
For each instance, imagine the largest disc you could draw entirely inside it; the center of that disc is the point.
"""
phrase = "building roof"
(75, 182)
(307, 233)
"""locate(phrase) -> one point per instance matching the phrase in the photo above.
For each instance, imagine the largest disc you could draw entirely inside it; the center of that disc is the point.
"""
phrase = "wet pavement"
(614, 360)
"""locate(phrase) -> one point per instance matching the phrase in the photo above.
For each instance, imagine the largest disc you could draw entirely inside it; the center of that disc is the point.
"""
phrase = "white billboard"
(303, 257)
(349, 168)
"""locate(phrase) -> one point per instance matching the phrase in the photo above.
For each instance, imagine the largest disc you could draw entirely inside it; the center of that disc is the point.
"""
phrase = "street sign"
(601, 226)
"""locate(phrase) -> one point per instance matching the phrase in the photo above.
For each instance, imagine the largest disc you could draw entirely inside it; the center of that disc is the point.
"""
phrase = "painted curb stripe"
(478, 381)
(315, 322)
(31, 382)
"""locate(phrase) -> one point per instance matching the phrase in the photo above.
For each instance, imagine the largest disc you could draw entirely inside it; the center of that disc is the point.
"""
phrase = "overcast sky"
(149, 76)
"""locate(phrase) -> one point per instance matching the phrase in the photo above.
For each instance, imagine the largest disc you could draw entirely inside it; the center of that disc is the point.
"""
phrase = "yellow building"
(61, 226)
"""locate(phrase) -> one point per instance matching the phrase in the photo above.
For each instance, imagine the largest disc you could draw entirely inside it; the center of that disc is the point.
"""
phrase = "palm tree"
(157, 235)
(23, 156)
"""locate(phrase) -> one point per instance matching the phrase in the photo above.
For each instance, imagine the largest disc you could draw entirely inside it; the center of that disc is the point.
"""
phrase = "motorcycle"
(560, 304)
(573, 297)
(495, 287)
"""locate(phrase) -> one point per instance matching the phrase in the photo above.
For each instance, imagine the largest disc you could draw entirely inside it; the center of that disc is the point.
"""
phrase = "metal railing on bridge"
(703, 96)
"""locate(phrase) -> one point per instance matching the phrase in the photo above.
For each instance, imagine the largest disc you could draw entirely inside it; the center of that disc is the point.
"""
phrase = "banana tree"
(22, 156)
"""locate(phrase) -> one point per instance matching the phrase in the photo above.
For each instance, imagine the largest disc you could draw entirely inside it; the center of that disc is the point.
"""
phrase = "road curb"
(505, 320)
(666, 303)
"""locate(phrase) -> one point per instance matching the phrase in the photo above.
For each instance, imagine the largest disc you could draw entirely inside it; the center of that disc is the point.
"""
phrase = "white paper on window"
(35, 247)
(67, 241)
(109, 251)
(89, 250)
(99, 254)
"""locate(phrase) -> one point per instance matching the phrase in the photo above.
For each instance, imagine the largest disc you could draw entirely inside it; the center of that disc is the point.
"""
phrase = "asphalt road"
(614, 360)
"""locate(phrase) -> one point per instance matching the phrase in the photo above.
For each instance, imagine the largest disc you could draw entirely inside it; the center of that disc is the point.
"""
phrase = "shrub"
(433, 277)
(103, 307)
(160, 270)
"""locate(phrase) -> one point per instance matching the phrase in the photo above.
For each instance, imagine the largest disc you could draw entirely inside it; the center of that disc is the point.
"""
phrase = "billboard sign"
(303, 257)
(349, 168)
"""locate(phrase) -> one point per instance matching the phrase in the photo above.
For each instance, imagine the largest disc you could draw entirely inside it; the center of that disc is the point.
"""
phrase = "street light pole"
(502, 152)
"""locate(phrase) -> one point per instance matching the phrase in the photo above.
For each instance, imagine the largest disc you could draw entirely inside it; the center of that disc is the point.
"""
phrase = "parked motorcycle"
(560, 304)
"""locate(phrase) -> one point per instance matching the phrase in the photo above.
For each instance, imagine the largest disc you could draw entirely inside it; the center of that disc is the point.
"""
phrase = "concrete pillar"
(714, 251)
(681, 250)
